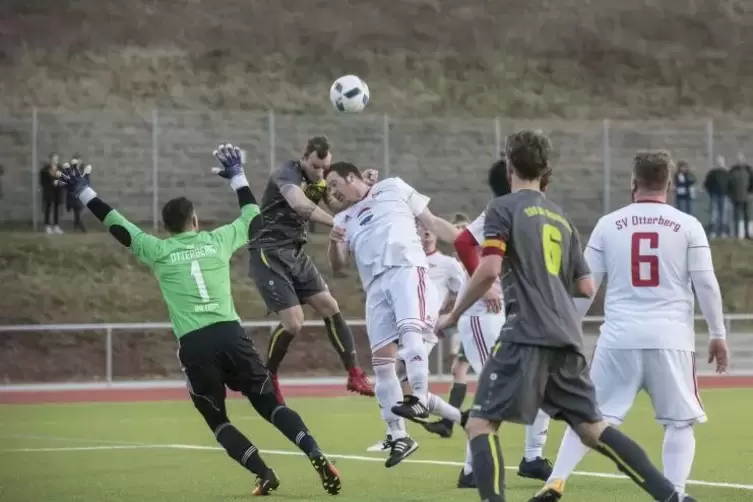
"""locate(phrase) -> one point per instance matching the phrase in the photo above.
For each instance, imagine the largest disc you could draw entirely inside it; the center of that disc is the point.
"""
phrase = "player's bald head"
(528, 153)
(652, 170)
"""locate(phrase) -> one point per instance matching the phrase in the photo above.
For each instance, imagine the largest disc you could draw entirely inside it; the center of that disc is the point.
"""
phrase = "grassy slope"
(91, 278)
(518, 57)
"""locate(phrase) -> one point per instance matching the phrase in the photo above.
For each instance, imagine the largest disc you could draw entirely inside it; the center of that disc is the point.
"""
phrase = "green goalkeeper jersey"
(192, 268)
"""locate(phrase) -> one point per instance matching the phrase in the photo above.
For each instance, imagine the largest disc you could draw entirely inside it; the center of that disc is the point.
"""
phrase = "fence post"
(497, 138)
(607, 127)
(155, 169)
(108, 356)
(710, 142)
(386, 145)
(34, 167)
(272, 141)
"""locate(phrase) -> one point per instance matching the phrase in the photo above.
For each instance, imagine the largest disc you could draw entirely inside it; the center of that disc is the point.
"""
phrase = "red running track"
(322, 390)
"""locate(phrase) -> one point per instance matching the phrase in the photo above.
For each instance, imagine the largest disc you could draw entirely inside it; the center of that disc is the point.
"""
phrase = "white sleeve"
(703, 277)
(594, 252)
(699, 252)
(710, 300)
(595, 261)
(339, 221)
(455, 276)
(476, 228)
(416, 201)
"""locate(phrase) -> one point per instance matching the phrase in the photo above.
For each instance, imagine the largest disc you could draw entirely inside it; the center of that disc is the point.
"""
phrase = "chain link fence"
(143, 158)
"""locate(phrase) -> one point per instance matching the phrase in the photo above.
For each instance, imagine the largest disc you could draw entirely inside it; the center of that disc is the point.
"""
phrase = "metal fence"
(738, 326)
(142, 158)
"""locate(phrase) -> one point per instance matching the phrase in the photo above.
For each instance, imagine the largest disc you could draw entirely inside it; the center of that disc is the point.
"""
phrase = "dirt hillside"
(481, 57)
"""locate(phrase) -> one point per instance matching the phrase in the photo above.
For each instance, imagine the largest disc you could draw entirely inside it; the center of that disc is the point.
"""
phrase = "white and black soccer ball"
(349, 94)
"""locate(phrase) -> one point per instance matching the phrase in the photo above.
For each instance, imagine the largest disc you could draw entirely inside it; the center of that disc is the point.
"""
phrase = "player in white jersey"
(379, 231)
(447, 276)
(653, 256)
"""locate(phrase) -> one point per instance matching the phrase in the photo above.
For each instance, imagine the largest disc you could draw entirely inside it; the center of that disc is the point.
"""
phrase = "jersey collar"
(183, 235)
(648, 201)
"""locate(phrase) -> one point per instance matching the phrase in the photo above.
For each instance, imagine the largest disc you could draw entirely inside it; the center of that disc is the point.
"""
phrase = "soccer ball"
(349, 94)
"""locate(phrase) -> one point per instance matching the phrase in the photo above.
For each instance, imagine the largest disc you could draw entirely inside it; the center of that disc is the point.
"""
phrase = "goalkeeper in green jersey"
(193, 271)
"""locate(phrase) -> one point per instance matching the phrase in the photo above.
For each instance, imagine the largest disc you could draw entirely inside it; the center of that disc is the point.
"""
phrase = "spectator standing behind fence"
(717, 186)
(740, 185)
(72, 203)
(684, 187)
(52, 194)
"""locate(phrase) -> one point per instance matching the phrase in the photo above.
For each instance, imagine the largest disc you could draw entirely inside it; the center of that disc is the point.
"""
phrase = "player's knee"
(266, 405)
(478, 427)
(411, 339)
(292, 320)
(213, 416)
(384, 370)
(324, 304)
(589, 433)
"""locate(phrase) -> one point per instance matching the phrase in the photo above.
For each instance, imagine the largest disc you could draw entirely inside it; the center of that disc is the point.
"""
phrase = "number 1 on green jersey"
(196, 273)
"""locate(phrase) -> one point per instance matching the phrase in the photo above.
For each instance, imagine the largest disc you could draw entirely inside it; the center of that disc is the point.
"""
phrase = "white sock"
(442, 409)
(536, 435)
(388, 393)
(413, 353)
(468, 467)
(571, 452)
(678, 452)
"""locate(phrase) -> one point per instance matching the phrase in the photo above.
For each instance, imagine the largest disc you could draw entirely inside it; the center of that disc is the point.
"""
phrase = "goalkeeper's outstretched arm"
(141, 244)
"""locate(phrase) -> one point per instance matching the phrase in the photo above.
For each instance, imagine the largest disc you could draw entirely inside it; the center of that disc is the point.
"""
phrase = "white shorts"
(478, 333)
(668, 376)
(399, 297)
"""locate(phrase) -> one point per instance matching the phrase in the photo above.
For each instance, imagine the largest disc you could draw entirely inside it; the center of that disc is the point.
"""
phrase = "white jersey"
(447, 275)
(647, 251)
(476, 228)
(380, 229)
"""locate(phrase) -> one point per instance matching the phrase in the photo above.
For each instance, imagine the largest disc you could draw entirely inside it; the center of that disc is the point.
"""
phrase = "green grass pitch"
(163, 451)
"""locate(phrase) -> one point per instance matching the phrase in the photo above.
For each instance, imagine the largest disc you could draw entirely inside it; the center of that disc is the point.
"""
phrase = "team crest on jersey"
(364, 216)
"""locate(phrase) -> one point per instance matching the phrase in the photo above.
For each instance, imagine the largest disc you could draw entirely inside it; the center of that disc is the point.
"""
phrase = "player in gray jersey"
(285, 275)
(538, 360)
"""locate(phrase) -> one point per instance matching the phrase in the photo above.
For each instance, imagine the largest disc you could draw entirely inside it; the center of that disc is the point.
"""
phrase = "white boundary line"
(361, 458)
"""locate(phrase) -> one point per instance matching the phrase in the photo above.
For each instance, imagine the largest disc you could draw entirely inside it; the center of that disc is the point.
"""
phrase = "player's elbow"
(586, 287)
(490, 268)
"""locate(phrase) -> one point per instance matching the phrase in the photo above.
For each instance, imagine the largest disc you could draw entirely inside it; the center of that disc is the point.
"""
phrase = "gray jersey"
(542, 260)
(281, 225)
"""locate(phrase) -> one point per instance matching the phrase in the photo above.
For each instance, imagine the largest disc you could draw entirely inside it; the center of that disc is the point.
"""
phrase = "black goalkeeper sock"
(278, 347)
(457, 396)
(291, 425)
(488, 467)
(342, 340)
(240, 449)
(633, 462)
